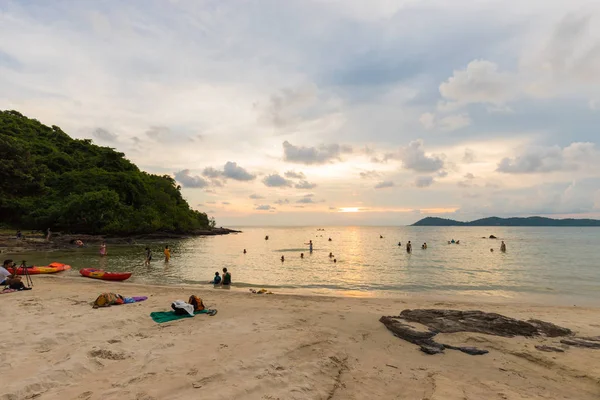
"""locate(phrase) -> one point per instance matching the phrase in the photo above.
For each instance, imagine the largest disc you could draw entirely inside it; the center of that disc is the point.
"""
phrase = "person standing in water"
(148, 256)
(103, 249)
(48, 235)
(310, 247)
(424, 246)
(244, 251)
(503, 247)
(282, 258)
(301, 255)
(167, 254)
(409, 247)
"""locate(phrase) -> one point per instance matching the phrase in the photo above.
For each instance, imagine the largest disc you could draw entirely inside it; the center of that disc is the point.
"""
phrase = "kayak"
(49, 269)
(105, 275)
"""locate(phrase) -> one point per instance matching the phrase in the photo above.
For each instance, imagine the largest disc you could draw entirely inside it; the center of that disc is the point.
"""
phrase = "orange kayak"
(49, 269)
(105, 275)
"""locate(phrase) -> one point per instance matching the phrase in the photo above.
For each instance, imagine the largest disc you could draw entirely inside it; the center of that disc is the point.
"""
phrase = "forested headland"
(50, 180)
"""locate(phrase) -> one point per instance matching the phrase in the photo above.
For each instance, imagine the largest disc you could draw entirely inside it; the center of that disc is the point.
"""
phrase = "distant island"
(496, 221)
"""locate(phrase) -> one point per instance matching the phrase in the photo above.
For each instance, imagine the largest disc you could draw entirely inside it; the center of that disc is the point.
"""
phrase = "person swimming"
(380, 237)
(452, 241)
(267, 237)
(491, 250)
(217, 279)
(335, 260)
(399, 244)
(503, 247)
(301, 255)
(330, 239)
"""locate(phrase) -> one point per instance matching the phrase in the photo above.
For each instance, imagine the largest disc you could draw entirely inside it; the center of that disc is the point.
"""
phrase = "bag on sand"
(197, 303)
(107, 300)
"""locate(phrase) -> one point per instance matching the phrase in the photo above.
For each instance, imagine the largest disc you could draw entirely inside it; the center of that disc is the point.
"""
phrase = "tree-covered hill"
(515, 221)
(49, 180)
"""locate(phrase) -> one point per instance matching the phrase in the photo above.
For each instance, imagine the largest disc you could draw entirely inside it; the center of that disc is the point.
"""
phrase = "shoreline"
(287, 346)
(35, 241)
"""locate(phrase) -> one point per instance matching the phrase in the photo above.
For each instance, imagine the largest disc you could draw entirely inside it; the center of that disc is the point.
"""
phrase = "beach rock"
(578, 342)
(493, 237)
(549, 348)
(424, 339)
(452, 321)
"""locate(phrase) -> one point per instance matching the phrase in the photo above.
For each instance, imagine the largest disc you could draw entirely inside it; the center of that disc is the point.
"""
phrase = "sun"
(349, 209)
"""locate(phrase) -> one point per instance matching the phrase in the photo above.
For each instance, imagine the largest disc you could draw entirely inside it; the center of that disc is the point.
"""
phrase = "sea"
(550, 264)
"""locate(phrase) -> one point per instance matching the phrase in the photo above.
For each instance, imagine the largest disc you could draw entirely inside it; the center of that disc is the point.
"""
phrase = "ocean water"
(561, 263)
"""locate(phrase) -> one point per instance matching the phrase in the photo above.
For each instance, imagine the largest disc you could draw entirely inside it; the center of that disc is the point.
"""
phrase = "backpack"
(197, 303)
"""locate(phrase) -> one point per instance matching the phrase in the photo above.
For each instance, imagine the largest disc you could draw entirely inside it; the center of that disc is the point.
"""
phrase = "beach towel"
(165, 316)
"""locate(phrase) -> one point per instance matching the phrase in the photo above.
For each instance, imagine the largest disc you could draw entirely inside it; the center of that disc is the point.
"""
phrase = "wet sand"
(270, 347)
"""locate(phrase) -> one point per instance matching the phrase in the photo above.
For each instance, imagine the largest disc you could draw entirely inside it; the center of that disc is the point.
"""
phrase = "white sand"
(54, 345)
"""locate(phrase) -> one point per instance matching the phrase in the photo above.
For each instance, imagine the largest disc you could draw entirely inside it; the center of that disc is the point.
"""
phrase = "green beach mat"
(165, 316)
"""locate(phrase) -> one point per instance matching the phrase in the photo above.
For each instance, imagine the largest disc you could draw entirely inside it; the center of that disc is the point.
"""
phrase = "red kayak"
(105, 275)
(50, 269)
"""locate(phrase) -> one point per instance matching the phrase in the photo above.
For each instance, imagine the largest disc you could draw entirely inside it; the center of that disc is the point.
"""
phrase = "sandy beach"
(270, 347)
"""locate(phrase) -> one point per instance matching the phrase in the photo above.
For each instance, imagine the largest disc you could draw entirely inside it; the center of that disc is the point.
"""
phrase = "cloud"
(294, 175)
(282, 202)
(447, 123)
(105, 135)
(305, 185)
(454, 122)
(413, 157)
(469, 176)
(264, 207)
(234, 171)
(423, 181)
(211, 172)
(480, 82)
(469, 156)
(231, 170)
(313, 155)
(370, 175)
(305, 200)
(427, 120)
(158, 133)
(549, 159)
(190, 181)
(256, 196)
(276, 180)
(384, 184)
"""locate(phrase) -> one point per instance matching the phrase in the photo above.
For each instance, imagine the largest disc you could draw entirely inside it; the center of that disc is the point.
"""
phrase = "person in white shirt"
(8, 279)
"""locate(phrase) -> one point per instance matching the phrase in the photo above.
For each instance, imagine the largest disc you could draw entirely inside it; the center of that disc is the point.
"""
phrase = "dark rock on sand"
(423, 339)
(452, 321)
(549, 348)
(578, 342)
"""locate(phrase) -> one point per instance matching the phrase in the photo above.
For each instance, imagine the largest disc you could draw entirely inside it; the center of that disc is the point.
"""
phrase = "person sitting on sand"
(226, 278)
(11, 280)
(167, 254)
(503, 247)
(148, 256)
(217, 279)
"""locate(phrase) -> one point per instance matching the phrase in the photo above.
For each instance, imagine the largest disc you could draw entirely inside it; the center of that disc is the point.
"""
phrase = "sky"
(326, 112)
